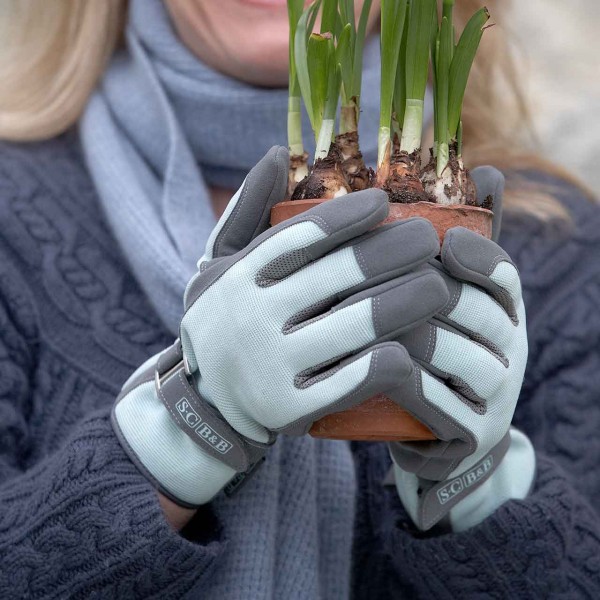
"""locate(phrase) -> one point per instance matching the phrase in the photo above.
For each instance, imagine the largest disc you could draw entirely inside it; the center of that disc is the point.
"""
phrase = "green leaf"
(400, 86)
(344, 59)
(464, 55)
(442, 84)
(318, 60)
(417, 47)
(359, 44)
(301, 60)
(329, 16)
(393, 13)
(295, 9)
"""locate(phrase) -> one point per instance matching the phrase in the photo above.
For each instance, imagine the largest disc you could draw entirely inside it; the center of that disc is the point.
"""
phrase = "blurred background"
(560, 45)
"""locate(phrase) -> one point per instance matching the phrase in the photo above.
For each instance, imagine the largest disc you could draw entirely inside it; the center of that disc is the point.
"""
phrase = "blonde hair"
(54, 53)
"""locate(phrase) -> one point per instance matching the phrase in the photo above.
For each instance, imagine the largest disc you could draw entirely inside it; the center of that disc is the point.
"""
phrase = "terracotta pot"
(380, 418)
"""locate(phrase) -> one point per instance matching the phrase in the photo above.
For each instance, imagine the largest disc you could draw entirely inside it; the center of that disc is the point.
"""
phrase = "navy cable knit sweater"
(76, 518)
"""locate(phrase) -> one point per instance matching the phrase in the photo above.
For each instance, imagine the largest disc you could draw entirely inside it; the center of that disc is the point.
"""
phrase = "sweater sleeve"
(81, 522)
(548, 544)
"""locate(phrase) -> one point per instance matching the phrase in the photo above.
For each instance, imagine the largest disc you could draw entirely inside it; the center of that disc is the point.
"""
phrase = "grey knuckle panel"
(204, 425)
(437, 499)
(420, 342)
(396, 248)
(408, 302)
(352, 215)
(266, 180)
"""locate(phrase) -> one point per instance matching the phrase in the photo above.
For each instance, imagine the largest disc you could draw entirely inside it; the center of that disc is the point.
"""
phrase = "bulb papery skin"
(454, 186)
(383, 145)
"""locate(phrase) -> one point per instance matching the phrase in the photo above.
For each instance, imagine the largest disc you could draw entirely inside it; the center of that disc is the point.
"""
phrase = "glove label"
(202, 429)
(466, 480)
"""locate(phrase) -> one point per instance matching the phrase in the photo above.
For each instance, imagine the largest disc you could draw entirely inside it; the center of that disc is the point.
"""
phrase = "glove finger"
(376, 257)
(465, 365)
(347, 384)
(472, 258)
(248, 212)
(451, 417)
(291, 245)
(490, 185)
(369, 316)
(477, 315)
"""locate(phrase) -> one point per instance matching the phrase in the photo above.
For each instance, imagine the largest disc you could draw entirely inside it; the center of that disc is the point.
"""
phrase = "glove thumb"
(248, 212)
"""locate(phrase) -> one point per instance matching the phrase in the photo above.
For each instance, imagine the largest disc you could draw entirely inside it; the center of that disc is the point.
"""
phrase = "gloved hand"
(469, 363)
(276, 334)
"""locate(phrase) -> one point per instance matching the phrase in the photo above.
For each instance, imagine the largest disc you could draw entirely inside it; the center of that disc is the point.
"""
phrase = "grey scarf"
(161, 128)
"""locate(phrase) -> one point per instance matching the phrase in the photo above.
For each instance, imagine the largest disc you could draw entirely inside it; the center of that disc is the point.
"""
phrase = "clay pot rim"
(432, 205)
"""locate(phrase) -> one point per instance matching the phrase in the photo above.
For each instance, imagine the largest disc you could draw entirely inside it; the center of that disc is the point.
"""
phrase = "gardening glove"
(293, 326)
(469, 362)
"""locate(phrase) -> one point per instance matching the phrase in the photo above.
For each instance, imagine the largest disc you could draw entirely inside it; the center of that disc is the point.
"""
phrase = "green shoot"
(418, 42)
(350, 45)
(400, 88)
(464, 55)
(393, 13)
(444, 52)
(295, 143)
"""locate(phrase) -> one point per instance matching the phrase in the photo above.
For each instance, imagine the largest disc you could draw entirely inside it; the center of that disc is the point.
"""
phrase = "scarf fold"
(161, 129)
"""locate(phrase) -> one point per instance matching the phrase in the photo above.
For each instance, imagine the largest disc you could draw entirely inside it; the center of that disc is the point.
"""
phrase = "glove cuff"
(427, 502)
(180, 443)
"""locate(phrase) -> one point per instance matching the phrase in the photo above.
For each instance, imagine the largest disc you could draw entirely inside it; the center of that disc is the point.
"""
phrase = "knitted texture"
(77, 520)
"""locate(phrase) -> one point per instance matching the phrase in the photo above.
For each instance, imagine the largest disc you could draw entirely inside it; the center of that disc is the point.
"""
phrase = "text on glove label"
(201, 428)
(466, 480)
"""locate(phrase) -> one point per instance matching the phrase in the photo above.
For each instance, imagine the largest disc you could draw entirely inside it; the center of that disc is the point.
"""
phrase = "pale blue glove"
(277, 334)
(469, 363)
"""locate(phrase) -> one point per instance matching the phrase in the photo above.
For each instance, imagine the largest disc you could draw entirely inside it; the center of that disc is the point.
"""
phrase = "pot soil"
(380, 418)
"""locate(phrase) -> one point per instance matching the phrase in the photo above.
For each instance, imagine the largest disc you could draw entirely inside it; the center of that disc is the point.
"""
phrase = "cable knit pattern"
(77, 520)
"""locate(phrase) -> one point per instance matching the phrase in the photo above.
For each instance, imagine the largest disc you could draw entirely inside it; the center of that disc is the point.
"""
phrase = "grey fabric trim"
(390, 364)
(434, 459)
(266, 182)
(397, 248)
(310, 314)
(470, 257)
(438, 498)
(204, 425)
(490, 182)
(283, 266)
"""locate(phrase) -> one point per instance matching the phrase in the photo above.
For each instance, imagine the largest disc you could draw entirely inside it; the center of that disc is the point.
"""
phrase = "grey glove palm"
(291, 327)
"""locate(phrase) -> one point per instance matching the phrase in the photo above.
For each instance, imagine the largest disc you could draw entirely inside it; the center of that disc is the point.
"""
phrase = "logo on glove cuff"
(201, 428)
(456, 486)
